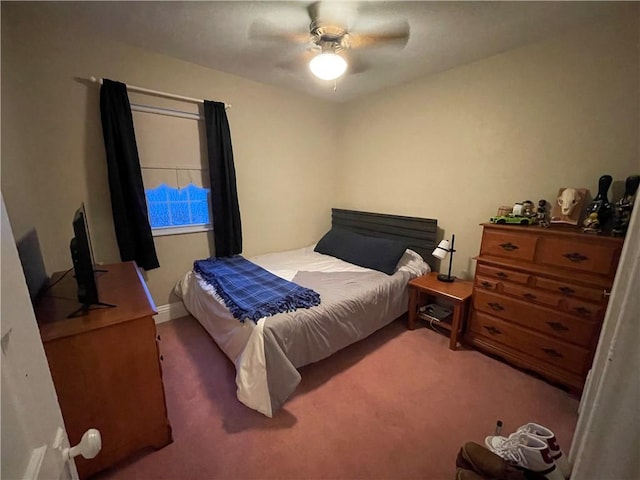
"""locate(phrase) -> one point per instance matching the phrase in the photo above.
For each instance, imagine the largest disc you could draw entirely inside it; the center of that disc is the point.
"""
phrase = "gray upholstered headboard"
(418, 233)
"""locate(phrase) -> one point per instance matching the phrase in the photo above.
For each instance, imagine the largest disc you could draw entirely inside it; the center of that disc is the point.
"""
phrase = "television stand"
(84, 309)
(106, 365)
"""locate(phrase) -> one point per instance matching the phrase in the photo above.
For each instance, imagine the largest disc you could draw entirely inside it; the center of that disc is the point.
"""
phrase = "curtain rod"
(157, 92)
(136, 107)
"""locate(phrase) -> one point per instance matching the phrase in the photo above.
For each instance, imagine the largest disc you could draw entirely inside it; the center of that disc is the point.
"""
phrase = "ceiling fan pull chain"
(335, 85)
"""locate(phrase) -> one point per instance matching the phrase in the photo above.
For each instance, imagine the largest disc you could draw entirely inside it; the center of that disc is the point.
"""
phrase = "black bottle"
(600, 203)
(622, 208)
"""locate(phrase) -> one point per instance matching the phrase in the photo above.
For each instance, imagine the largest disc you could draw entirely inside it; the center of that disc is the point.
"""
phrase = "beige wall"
(453, 146)
(508, 128)
(53, 154)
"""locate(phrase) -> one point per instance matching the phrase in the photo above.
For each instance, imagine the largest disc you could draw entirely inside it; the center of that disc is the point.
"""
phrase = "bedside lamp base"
(446, 278)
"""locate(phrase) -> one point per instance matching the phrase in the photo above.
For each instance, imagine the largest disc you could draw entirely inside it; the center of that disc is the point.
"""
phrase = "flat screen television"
(82, 256)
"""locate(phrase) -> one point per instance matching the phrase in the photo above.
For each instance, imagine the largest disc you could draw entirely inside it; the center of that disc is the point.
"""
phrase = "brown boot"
(486, 463)
(464, 474)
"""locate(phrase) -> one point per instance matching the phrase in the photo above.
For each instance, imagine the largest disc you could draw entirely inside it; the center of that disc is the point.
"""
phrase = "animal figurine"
(567, 200)
(591, 223)
(567, 208)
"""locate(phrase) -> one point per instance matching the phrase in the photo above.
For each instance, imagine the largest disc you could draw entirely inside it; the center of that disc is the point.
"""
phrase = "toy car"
(513, 219)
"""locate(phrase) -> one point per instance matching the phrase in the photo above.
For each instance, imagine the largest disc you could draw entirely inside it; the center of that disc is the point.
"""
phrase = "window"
(178, 199)
(173, 160)
(175, 208)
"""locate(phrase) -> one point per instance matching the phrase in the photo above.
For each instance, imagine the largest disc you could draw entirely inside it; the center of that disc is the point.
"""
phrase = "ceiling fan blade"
(397, 38)
(356, 65)
(340, 14)
(261, 30)
(313, 9)
(299, 63)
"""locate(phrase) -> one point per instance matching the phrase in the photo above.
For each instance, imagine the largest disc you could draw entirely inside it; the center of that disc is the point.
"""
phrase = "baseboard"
(170, 311)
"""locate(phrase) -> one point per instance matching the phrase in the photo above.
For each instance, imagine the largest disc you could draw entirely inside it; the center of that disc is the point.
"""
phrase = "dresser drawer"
(487, 283)
(549, 350)
(545, 320)
(502, 274)
(588, 257)
(531, 294)
(586, 310)
(509, 245)
(569, 290)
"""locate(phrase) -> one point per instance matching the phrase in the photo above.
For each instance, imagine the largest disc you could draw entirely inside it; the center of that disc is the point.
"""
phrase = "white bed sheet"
(244, 342)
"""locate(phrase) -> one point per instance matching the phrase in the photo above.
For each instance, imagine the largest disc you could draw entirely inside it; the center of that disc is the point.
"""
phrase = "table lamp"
(441, 252)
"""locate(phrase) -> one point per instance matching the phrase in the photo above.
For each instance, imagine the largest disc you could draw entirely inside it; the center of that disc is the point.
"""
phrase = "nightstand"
(455, 294)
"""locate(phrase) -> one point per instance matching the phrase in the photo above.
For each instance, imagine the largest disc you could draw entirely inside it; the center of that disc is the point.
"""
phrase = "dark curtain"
(227, 230)
(128, 202)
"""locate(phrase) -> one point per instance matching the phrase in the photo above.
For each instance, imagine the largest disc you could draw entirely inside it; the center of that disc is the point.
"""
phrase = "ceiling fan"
(330, 39)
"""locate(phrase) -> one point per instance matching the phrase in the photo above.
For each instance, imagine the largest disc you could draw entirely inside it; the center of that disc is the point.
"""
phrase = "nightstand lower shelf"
(455, 294)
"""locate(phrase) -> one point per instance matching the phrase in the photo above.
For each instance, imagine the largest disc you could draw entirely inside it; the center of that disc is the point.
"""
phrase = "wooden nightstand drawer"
(545, 320)
(588, 257)
(542, 347)
(569, 289)
(509, 245)
(502, 274)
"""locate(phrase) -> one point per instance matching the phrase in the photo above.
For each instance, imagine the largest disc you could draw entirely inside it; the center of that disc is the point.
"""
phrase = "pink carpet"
(398, 404)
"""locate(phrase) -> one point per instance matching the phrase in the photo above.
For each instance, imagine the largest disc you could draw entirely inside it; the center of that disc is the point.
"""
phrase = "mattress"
(355, 302)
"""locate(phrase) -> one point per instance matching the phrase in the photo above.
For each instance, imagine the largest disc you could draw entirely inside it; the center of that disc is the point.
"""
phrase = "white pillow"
(413, 263)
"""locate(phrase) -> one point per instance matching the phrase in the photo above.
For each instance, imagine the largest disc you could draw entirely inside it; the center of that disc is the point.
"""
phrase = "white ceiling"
(217, 35)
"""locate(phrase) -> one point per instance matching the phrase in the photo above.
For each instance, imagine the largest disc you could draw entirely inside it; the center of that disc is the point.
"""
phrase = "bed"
(355, 302)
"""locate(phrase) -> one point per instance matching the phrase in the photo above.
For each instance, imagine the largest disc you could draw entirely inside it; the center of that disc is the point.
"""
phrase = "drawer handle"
(557, 326)
(585, 312)
(575, 257)
(486, 284)
(509, 247)
(502, 275)
(161, 358)
(158, 338)
(493, 330)
(552, 353)
(567, 290)
(496, 306)
(529, 296)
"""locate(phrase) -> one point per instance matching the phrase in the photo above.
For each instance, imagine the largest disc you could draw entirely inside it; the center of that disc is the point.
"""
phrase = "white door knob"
(89, 446)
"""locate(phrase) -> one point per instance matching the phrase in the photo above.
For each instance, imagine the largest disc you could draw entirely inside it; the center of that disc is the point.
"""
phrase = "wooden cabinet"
(105, 365)
(540, 295)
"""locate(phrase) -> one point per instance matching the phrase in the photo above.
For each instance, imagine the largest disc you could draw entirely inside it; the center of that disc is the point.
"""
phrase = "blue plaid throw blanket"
(249, 291)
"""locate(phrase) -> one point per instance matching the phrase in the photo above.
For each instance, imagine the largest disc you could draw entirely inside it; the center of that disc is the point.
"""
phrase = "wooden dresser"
(540, 296)
(105, 365)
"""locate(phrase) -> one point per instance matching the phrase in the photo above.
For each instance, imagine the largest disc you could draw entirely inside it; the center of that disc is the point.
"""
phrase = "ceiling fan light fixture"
(328, 66)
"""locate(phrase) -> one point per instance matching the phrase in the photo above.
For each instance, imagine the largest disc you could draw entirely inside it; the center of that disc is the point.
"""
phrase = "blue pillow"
(370, 252)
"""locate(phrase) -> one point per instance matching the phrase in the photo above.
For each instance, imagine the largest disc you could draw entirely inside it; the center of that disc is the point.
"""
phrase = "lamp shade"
(328, 66)
(441, 250)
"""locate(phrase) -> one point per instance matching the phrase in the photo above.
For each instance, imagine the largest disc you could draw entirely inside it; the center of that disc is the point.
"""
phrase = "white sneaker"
(526, 451)
(546, 435)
